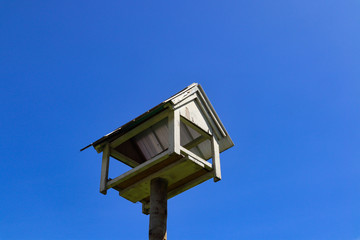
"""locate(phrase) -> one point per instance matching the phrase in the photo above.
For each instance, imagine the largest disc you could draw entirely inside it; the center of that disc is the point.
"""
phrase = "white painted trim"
(174, 131)
(216, 159)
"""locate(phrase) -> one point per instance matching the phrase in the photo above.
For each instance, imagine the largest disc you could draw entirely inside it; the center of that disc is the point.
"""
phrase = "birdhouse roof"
(191, 92)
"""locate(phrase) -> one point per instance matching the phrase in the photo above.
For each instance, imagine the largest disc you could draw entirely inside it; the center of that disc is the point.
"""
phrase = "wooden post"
(216, 159)
(105, 169)
(158, 209)
(174, 131)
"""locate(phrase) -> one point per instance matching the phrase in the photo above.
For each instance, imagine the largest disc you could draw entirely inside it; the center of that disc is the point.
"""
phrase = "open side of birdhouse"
(179, 140)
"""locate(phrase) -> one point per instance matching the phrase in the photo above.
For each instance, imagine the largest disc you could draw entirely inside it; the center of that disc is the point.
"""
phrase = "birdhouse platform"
(179, 140)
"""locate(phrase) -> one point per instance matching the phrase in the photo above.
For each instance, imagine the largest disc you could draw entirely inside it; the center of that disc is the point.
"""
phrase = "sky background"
(283, 76)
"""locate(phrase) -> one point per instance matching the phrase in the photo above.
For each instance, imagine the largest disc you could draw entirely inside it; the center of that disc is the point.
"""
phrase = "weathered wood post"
(158, 209)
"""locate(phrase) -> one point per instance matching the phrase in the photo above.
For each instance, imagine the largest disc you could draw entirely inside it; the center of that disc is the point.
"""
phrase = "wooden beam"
(121, 157)
(195, 142)
(192, 156)
(213, 126)
(136, 170)
(145, 207)
(190, 184)
(185, 101)
(174, 131)
(187, 131)
(216, 159)
(139, 128)
(195, 127)
(105, 169)
(152, 176)
(215, 121)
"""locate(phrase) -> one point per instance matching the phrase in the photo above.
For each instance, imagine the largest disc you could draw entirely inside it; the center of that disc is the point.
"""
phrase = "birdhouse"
(179, 140)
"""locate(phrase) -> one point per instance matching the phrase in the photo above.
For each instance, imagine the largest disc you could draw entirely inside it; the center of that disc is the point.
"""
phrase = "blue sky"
(283, 76)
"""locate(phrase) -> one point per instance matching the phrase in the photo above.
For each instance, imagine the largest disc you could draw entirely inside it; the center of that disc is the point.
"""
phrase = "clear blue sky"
(284, 77)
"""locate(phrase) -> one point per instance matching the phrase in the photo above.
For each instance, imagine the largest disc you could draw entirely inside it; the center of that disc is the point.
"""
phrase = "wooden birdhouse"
(178, 140)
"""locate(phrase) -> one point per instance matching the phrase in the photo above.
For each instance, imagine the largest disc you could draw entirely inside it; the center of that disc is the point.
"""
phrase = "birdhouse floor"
(182, 172)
